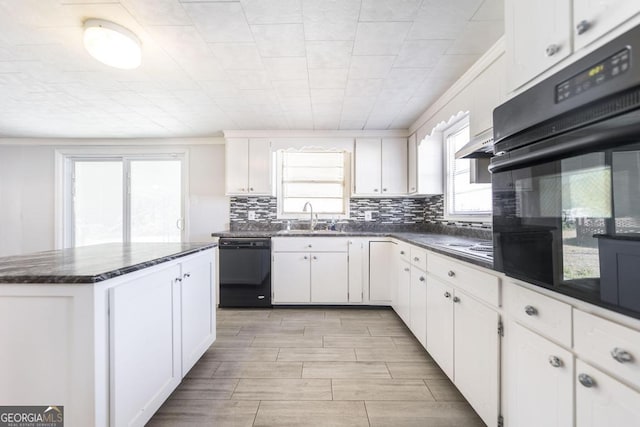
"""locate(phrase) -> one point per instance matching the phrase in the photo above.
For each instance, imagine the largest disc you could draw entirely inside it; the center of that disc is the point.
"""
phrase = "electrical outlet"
(368, 215)
(251, 215)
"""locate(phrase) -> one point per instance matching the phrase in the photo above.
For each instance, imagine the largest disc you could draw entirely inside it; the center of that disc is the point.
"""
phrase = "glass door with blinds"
(121, 199)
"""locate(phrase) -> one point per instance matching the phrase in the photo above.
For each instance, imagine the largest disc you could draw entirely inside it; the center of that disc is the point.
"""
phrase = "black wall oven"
(566, 180)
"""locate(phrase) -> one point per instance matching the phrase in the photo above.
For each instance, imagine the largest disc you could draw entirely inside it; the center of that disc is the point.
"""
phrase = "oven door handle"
(618, 131)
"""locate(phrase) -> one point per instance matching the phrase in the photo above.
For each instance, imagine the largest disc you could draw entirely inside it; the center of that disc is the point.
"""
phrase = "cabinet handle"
(421, 278)
(621, 355)
(555, 361)
(583, 26)
(552, 49)
(586, 380)
(447, 295)
(406, 269)
(451, 273)
(186, 275)
(531, 310)
(456, 299)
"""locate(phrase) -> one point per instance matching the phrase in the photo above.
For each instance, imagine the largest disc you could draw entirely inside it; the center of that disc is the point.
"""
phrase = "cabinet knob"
(456, 299)
(306, 257)
(621, 355)
(309, 245)
(555, 361)
(178, 279)
(552, 49)
(586, 380)
(416, 259)
(375, 190)
(583, 26)
(401, 252)
(413, 188)
(422, 279)
(186, 275)
(384, 189)
(315, 257)
(406, 269)
(250, 188)
(447, 295)
(451, 273)
(243, 190)
(531, 310)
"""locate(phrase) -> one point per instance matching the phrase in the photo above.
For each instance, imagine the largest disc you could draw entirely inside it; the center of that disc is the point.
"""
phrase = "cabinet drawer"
(309, 244)
(419, 258)
(550, 317)
(613, 347)
(478, 283)
(403, 251)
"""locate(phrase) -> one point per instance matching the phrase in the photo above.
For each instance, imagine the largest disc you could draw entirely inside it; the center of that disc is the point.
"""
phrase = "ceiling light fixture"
(112, 44)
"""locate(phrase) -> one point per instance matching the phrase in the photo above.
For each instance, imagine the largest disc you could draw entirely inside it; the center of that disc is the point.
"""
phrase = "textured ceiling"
(250, 64)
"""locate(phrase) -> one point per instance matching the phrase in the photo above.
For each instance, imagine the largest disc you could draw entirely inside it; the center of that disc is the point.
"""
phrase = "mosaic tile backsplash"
(387, 212)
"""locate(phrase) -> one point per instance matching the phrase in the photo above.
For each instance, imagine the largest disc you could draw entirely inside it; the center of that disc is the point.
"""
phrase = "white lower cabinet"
(317, 275)
(381, 272)
(440, 324)
(604, 401)
(418, 305)
(538, 380)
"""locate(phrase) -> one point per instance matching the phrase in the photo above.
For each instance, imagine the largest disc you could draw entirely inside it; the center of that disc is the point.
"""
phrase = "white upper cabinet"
(488, 91)
(380, 167)
(248, 166)
(594, 18)
(412, 165)
(538, 36)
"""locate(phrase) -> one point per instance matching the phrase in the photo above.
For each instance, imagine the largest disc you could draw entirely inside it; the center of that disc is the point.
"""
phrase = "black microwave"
(566, 180)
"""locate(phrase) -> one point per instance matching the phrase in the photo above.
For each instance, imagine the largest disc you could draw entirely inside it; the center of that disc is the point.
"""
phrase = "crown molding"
(402, 133)
(110, 141)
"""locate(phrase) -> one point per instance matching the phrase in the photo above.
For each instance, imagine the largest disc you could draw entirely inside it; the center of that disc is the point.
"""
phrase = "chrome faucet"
(312, 224)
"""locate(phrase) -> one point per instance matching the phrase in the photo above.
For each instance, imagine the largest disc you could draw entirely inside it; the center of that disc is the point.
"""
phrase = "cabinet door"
(537, 392)
(418, 305)
(605, 402)
(412, 165)
(237, 166)
(394, 166)
(380, 271)
(430, 166)
(594, 18)
(329, 277)
(259, 166)
(144, 337)
(368, 163)
(440, 324)
(356, 269)
(538, 35)
(403, 297)
(477, 355)
(486, 90)
(291, 277)
(198, 309)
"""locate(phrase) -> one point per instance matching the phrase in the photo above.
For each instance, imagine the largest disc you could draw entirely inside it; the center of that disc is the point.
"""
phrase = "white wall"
(27, 205)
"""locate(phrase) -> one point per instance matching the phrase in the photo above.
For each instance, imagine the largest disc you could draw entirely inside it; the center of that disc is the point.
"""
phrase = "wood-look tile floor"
(315, 367)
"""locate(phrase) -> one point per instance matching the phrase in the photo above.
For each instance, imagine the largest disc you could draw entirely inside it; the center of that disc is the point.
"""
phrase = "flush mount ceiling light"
(112, 44)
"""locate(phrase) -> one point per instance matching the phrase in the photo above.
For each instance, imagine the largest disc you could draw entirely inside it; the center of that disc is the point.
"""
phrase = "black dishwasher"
(245, 272)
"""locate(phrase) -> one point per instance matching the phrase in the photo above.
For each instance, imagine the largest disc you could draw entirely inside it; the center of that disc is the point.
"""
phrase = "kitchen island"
(106, 331)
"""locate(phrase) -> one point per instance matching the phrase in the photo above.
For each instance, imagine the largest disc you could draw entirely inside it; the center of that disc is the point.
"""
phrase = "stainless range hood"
(479, 150)
(480, 147)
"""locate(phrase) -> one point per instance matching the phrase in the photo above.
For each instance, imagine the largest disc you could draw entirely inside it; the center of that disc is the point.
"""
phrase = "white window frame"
(448, 157)
(305, 215)
(64, 160)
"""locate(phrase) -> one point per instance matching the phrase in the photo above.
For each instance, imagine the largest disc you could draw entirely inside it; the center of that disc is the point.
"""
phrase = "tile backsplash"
(405, 211)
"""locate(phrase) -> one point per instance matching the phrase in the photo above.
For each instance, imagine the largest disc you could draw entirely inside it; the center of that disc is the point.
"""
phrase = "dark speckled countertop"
(436, 242)
(91, 264)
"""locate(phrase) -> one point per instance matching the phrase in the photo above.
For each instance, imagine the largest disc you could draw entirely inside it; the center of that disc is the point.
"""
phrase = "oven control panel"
(608, 69)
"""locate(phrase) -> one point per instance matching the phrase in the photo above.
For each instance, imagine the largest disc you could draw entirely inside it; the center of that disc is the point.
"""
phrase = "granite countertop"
(91, 264)
(435, 242)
